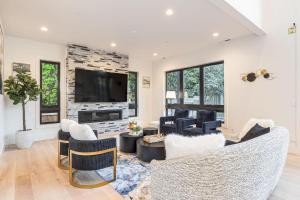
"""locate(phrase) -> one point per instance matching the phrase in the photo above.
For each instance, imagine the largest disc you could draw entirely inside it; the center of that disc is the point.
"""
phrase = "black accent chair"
(63, 148)
(172, 127)
(206, 123)
(89, 155)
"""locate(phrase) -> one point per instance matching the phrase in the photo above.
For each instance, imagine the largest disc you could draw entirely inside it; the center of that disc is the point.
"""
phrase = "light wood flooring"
(33, 174)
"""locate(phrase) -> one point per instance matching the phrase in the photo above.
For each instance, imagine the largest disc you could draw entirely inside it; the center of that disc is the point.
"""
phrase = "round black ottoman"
(150, 151)
(150, 131)
(128, 142)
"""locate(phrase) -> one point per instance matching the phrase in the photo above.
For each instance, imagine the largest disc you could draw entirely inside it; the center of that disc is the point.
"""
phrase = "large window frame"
(50, 109)
(135, 104)
(181, 105)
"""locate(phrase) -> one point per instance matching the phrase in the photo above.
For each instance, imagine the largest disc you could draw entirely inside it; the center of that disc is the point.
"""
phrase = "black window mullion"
(201, 86)
(181, 92)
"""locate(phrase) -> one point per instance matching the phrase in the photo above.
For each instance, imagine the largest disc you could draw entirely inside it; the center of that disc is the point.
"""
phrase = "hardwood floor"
(33, 175)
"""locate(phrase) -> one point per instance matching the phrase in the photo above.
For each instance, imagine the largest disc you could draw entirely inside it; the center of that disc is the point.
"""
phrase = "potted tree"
(22, 88)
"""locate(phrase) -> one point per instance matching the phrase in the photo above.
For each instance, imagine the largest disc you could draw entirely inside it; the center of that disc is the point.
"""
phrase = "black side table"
(128, 142)
(150, 131)
(150, 151)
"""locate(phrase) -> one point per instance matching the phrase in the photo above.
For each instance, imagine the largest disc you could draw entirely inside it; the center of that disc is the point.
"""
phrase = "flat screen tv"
(99, 86)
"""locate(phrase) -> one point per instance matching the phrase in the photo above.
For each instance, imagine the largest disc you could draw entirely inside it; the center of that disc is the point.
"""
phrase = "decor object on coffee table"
(128, 142)
(21, 89)
(91, 155)
(134, 128)
(150, 151)
(154, 138)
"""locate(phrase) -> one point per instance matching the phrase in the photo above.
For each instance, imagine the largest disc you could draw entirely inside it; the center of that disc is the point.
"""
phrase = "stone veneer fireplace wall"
(86, 58)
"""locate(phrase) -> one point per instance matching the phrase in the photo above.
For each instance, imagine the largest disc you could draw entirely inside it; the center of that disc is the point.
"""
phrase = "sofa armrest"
(183, 123)
(212, 125)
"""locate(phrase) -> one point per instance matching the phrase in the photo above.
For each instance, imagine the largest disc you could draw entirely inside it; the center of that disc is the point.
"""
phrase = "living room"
(169, 65)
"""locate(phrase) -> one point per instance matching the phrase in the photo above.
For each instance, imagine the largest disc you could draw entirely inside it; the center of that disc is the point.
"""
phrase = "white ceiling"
(139, 27)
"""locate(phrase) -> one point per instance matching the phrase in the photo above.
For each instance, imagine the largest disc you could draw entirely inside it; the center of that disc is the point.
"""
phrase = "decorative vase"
(24, 139)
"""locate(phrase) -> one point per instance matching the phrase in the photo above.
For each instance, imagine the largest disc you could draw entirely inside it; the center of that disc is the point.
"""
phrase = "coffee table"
(150, 131)
(128, 142)
(150, 151)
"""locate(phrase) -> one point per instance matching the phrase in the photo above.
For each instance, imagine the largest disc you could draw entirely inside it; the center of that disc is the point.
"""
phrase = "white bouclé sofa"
(244, 171)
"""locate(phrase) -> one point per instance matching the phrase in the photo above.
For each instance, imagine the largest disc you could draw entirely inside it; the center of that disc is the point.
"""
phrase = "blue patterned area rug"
(130, 173)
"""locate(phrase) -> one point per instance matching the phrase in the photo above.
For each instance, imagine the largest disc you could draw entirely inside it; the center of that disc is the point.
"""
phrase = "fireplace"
(93, 116)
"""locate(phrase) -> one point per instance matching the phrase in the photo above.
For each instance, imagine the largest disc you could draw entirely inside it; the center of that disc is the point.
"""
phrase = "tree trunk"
(24, 116)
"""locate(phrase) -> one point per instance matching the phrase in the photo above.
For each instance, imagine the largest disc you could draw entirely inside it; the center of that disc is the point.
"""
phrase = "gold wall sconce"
(251, 77)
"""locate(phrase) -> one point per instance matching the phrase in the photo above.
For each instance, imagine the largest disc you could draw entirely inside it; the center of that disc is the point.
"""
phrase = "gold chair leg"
(71, 177)
(59, 159)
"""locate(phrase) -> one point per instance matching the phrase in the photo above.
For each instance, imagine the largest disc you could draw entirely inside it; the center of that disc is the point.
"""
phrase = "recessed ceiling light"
(155, 54)
(216, 34)
(44, 29)
(113, 44)
(169, 12)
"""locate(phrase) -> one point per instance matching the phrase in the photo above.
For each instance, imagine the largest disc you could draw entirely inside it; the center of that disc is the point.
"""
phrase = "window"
(173, 87)
(50, 97)
(132, 93)
(191, 85)
(200, 87)
(213, 84)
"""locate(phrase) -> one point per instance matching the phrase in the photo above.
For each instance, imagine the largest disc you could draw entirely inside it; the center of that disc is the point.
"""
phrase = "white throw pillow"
(179, 146)
(65, 124)
(82, 132)
(266, 123)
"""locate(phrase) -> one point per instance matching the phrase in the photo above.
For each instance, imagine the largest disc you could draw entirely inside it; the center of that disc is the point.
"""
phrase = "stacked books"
(153, 138)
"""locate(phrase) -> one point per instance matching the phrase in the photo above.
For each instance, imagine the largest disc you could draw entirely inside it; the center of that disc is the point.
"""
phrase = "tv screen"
(99, 86)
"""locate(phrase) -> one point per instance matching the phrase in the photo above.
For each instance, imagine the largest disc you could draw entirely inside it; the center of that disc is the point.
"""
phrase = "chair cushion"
(193, 131)
(65, 124)
(266, 123)
(254, 132)
(82, 132)
(180, 146)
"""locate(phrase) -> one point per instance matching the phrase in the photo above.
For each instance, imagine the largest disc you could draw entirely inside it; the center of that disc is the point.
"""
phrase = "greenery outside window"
(132, 94)
(50, 96)
(173, 85)
(200, 87)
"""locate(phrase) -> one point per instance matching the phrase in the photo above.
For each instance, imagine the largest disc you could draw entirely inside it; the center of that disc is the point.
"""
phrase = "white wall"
(144, 68)
(2, 111)
(264, 98)
(31, 52)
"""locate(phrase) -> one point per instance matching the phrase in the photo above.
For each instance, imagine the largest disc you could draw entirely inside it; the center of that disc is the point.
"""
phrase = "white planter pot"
(24, 139)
